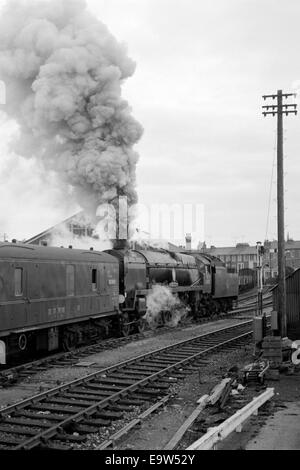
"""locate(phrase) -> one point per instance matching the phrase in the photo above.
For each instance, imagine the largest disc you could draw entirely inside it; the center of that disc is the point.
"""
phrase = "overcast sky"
(202, 67)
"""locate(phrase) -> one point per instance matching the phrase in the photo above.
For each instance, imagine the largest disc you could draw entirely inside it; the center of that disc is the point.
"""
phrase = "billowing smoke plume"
(63, 72)
(161, 302)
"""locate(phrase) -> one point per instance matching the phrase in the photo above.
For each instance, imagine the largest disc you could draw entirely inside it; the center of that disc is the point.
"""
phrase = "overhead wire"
(271, 187)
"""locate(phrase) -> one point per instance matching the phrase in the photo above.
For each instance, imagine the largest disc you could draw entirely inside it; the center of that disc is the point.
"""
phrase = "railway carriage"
(54, 297)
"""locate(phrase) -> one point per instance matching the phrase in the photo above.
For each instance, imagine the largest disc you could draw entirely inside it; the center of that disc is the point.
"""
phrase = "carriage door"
(103, 286)
(20, 311)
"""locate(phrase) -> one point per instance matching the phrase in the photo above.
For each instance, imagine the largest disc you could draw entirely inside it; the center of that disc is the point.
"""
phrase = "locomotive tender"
(54, 298)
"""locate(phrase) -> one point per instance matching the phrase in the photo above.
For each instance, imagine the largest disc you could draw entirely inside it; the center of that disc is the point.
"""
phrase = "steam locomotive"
(201, 281)
(57, 298)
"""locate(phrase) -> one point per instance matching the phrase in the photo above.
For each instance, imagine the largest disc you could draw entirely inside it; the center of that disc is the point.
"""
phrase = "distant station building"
(241, 259)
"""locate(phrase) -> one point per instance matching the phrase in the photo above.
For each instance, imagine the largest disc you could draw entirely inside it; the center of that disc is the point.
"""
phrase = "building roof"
(57, 226)
(240, 249)
(289, 244)
(25, 251)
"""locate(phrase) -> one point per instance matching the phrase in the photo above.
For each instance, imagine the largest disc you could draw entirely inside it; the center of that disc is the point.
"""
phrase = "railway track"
(65, 415)
(253, 295)
(10, 376)
(251, 307)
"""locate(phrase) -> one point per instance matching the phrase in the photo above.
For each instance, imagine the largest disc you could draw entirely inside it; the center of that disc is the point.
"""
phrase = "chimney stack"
(188, 241)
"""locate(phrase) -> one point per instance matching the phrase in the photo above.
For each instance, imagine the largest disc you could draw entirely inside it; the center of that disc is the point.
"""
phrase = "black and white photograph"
(149, 236)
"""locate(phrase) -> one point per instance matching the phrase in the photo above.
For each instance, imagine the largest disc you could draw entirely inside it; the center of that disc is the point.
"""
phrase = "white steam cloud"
(161, 301)
(63, 72)
(61, 236)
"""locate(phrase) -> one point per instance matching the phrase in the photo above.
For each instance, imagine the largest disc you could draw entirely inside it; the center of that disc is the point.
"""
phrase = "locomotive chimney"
(188, 241)
(122, 224)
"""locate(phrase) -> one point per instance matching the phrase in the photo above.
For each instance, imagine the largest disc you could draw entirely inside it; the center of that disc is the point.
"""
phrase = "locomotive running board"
(172, 289)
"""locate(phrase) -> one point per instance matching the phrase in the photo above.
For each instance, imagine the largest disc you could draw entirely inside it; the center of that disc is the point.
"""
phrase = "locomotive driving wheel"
(166, 317)
(69, 341)
(125, 327)
(142, 325)
(155, 322)
(22, 342)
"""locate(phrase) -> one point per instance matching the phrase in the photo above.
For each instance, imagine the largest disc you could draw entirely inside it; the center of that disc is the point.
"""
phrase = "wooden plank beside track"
(182, 430)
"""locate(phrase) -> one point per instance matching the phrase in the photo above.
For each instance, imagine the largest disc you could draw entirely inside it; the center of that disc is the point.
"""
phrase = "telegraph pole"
(280, 109)
(259, 252)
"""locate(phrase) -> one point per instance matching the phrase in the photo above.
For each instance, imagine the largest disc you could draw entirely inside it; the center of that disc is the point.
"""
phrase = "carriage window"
(18, 281)
(70, 280)
(94, 279)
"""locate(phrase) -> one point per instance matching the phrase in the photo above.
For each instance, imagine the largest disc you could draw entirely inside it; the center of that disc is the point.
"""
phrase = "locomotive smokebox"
(120, 244)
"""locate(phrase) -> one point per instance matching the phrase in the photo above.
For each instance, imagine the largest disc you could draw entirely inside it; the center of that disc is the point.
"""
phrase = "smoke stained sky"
(201, 70)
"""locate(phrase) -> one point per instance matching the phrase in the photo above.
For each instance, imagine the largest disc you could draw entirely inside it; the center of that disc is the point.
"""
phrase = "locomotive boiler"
(139, 270)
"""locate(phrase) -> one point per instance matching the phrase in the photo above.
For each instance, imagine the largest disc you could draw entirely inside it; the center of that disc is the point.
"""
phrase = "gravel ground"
(156, 431)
